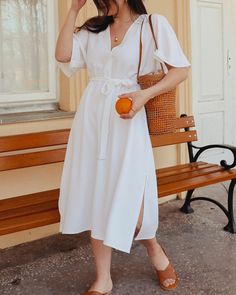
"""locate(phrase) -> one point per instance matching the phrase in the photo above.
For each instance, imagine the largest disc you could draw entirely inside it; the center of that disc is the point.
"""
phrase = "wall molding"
(184, 104)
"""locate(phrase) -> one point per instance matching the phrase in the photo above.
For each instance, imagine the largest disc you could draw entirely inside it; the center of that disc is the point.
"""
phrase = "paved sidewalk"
(203, 255)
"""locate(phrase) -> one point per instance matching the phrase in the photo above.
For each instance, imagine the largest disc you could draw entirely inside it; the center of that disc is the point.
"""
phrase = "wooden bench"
(195, 174)
(41, 208)
(37, 209)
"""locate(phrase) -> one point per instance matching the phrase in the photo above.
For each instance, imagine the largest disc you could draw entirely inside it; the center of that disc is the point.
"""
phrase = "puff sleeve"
(78, 56)
(169, 50)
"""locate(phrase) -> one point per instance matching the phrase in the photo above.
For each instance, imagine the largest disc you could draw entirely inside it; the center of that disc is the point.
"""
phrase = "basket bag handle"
(141, 44)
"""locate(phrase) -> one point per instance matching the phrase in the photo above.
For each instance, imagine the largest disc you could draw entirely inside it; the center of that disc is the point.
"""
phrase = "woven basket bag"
(161, 109)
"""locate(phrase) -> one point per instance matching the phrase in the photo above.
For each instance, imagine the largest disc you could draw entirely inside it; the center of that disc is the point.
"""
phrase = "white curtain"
(23, 46)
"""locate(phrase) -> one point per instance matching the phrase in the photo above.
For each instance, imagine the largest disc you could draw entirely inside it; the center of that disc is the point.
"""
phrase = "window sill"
(34, 116)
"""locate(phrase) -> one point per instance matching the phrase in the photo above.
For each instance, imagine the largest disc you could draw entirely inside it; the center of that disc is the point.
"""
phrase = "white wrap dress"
(109, 164)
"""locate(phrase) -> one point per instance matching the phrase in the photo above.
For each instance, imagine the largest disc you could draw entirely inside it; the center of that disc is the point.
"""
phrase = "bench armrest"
(223, 163)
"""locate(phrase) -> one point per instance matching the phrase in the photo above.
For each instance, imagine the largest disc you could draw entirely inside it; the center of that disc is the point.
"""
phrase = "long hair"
(99, 23)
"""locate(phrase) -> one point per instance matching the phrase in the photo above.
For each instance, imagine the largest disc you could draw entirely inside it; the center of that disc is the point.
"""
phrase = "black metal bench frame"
(229, 212)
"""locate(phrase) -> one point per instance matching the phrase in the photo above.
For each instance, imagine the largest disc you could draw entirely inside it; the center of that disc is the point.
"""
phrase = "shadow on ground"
(203, 254)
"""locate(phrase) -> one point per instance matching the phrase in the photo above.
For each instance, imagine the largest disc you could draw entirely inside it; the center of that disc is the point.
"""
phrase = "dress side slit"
(137, 232)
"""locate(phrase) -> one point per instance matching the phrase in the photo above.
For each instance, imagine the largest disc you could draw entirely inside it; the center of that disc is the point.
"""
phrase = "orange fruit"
(123, 105)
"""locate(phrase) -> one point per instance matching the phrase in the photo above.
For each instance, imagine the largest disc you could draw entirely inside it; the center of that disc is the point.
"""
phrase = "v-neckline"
(125, 36)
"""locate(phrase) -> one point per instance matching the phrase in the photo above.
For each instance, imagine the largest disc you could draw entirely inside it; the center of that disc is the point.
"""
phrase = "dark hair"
(99, 23)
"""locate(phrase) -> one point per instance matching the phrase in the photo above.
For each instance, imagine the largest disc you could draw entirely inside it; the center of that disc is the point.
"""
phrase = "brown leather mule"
(167, 273)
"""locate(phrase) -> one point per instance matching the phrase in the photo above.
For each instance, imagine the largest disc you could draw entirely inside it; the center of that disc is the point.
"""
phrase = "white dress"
(109, 165)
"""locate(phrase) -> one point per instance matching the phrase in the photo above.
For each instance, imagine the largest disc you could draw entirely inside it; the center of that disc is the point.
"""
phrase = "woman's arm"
(64, 44)
(139, 98)
(174, 77)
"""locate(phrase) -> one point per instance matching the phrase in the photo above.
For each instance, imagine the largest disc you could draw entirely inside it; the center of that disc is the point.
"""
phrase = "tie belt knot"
(107, 89)
(110, 83)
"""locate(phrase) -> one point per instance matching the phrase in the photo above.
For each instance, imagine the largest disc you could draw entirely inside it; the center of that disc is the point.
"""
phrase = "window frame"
(33, 98)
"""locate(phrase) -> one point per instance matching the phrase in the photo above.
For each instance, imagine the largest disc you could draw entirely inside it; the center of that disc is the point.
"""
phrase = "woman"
(108, 183)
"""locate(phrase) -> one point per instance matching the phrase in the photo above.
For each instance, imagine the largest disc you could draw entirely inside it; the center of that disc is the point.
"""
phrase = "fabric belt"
(109, 89)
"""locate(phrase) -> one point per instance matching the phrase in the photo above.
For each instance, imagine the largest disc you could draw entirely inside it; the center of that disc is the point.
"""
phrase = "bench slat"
(29, 210)
(33, 140)
(185, 170)
(184, 122)
(180, 166)
(200, 181)
(28, 200)
(189, 166)
(29, 221)
(173, 138)
(32, 159)
(190, 174)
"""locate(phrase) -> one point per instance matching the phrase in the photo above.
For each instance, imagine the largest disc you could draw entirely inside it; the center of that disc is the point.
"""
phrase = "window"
(27, 63)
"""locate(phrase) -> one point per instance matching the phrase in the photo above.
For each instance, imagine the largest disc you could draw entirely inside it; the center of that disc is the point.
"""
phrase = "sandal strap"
(168, 273)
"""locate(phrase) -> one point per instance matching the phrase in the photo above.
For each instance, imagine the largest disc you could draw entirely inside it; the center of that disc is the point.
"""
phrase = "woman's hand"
(76, 5)
(139, 98)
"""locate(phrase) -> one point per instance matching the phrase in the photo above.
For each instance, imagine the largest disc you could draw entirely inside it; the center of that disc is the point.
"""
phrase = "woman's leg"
(102, 256)
(157, 256)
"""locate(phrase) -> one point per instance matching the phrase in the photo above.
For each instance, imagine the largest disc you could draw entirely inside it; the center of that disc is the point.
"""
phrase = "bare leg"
(102, 256)
(157, 257)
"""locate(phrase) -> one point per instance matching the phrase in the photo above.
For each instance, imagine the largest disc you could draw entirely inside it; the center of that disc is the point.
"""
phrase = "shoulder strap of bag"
(141, 45)
(152, 30)
(140, 49)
